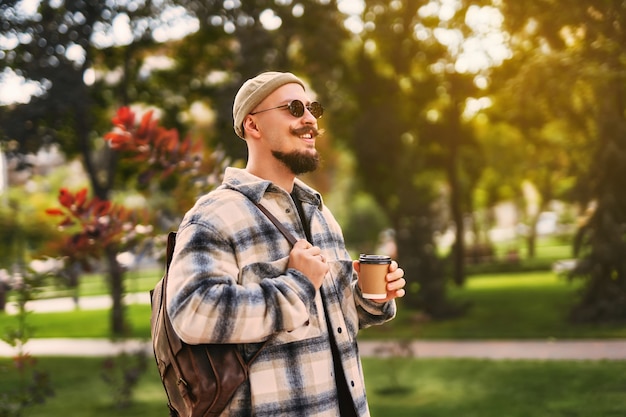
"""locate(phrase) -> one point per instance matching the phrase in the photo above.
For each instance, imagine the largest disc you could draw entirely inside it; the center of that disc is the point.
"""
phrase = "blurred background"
(461, 132)
(461, 137)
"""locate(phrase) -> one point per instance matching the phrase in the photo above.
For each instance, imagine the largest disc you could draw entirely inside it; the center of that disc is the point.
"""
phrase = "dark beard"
(298, 162)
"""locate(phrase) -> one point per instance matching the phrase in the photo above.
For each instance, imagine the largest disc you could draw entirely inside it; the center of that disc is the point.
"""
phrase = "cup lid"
(374, 259)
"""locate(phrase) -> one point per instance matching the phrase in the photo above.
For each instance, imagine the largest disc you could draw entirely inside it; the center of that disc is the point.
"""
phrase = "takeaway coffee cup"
(372, 275)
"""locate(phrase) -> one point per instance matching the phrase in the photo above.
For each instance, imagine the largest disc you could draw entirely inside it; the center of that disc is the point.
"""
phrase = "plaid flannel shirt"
(229, 283)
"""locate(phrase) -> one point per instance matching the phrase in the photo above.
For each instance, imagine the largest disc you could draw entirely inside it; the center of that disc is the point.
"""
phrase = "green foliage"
(365, 220)
(24, 229)
(395, 99)
(402, 118)
(80, 391)
(32, 386)
(122, 374)
(503, 151)
(581, 119)
(26, 232)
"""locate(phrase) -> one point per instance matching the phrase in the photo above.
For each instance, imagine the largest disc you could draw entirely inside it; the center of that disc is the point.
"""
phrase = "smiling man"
(234, 278)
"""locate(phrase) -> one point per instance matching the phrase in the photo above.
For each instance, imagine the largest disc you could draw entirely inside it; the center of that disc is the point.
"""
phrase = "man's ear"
(250, 127)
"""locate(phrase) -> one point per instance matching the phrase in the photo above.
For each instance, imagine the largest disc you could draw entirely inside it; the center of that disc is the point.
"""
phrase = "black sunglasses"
(296, 109)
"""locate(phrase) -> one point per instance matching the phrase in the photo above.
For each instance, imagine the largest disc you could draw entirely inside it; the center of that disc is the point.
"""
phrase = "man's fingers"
(302, 244)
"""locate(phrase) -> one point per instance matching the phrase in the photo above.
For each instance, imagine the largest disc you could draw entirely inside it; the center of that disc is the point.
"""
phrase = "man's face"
(290, 139)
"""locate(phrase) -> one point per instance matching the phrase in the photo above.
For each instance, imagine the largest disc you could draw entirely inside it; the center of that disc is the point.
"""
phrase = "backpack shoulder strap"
(171, 242)
(291, 238)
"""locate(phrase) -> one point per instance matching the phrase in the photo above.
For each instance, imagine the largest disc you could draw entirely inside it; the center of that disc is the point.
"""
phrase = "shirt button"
(352, 383)
(339, 330)
(288, 211)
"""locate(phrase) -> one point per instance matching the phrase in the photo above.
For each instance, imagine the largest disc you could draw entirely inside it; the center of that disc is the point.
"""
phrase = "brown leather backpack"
(201, 379)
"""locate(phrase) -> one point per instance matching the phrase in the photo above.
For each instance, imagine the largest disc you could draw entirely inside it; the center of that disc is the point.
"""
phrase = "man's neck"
(280, 176)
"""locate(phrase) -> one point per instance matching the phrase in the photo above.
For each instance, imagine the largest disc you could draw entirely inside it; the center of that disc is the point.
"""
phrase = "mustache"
(308, 129)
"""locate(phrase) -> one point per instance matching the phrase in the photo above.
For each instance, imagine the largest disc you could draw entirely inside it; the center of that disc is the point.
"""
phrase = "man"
(234, 278)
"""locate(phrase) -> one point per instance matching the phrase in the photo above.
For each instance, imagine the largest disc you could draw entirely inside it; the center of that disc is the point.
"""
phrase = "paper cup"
(372, 274)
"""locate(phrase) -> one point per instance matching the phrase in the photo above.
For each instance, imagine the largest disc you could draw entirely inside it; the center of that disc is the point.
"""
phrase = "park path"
(481, 349)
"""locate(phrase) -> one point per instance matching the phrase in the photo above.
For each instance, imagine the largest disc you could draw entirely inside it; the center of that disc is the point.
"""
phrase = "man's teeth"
(307, 136)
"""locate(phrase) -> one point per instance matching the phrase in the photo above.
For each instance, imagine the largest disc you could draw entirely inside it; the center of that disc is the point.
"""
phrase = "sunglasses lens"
(296, 108)
(316, 109)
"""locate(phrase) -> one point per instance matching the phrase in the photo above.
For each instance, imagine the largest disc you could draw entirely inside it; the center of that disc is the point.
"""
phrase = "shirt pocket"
(258, 271)
(312, 328)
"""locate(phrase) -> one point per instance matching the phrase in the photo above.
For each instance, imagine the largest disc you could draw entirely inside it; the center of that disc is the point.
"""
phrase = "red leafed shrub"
(155, 148)
(152, 150)
(95, 224)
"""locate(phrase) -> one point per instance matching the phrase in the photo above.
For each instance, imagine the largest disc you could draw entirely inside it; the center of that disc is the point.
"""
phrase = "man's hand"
(308, 259)
(395, 281)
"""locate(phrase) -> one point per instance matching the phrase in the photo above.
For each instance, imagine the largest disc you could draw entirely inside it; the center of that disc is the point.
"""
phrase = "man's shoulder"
(218, 200)
(220, 206)
(217, 218)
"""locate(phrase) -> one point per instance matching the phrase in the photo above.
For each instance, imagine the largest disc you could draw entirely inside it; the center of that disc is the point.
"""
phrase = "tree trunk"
(458, 248)
(531, 240)
(601, 243)
(454, 137)
(101, 186)
(116, 283)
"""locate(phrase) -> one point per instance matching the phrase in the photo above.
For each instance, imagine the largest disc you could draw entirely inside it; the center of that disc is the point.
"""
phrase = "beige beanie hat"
(253, 91)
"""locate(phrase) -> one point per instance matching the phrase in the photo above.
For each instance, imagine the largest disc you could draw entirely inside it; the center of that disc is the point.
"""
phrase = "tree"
(405, 125)
(56, 46)
(239, 42)
(587, 39)
(98, 227)
(553, 132)
(69, 48)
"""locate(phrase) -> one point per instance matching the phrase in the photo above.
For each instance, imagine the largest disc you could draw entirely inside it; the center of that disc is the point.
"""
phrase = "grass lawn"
(407, 388)
(139, 280)
(531, 305)
(478, 388)
(503, 306)
(85, 323)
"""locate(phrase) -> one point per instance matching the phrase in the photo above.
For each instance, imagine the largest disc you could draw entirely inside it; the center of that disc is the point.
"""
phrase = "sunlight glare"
(155, 63)
(89, 76)
(475, 105)
(16, 89)
(176, 23)
(270, 20)
(353, 9)
(27, 7)
(487, 45)
(76, 53)
(298, 10)
(448, 9)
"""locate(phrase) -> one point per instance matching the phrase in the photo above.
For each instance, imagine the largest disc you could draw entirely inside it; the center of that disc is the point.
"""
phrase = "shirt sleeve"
(207, 303)
(372, 313)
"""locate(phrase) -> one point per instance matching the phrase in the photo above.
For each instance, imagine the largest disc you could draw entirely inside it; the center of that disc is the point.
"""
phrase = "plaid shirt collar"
(255, 188)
